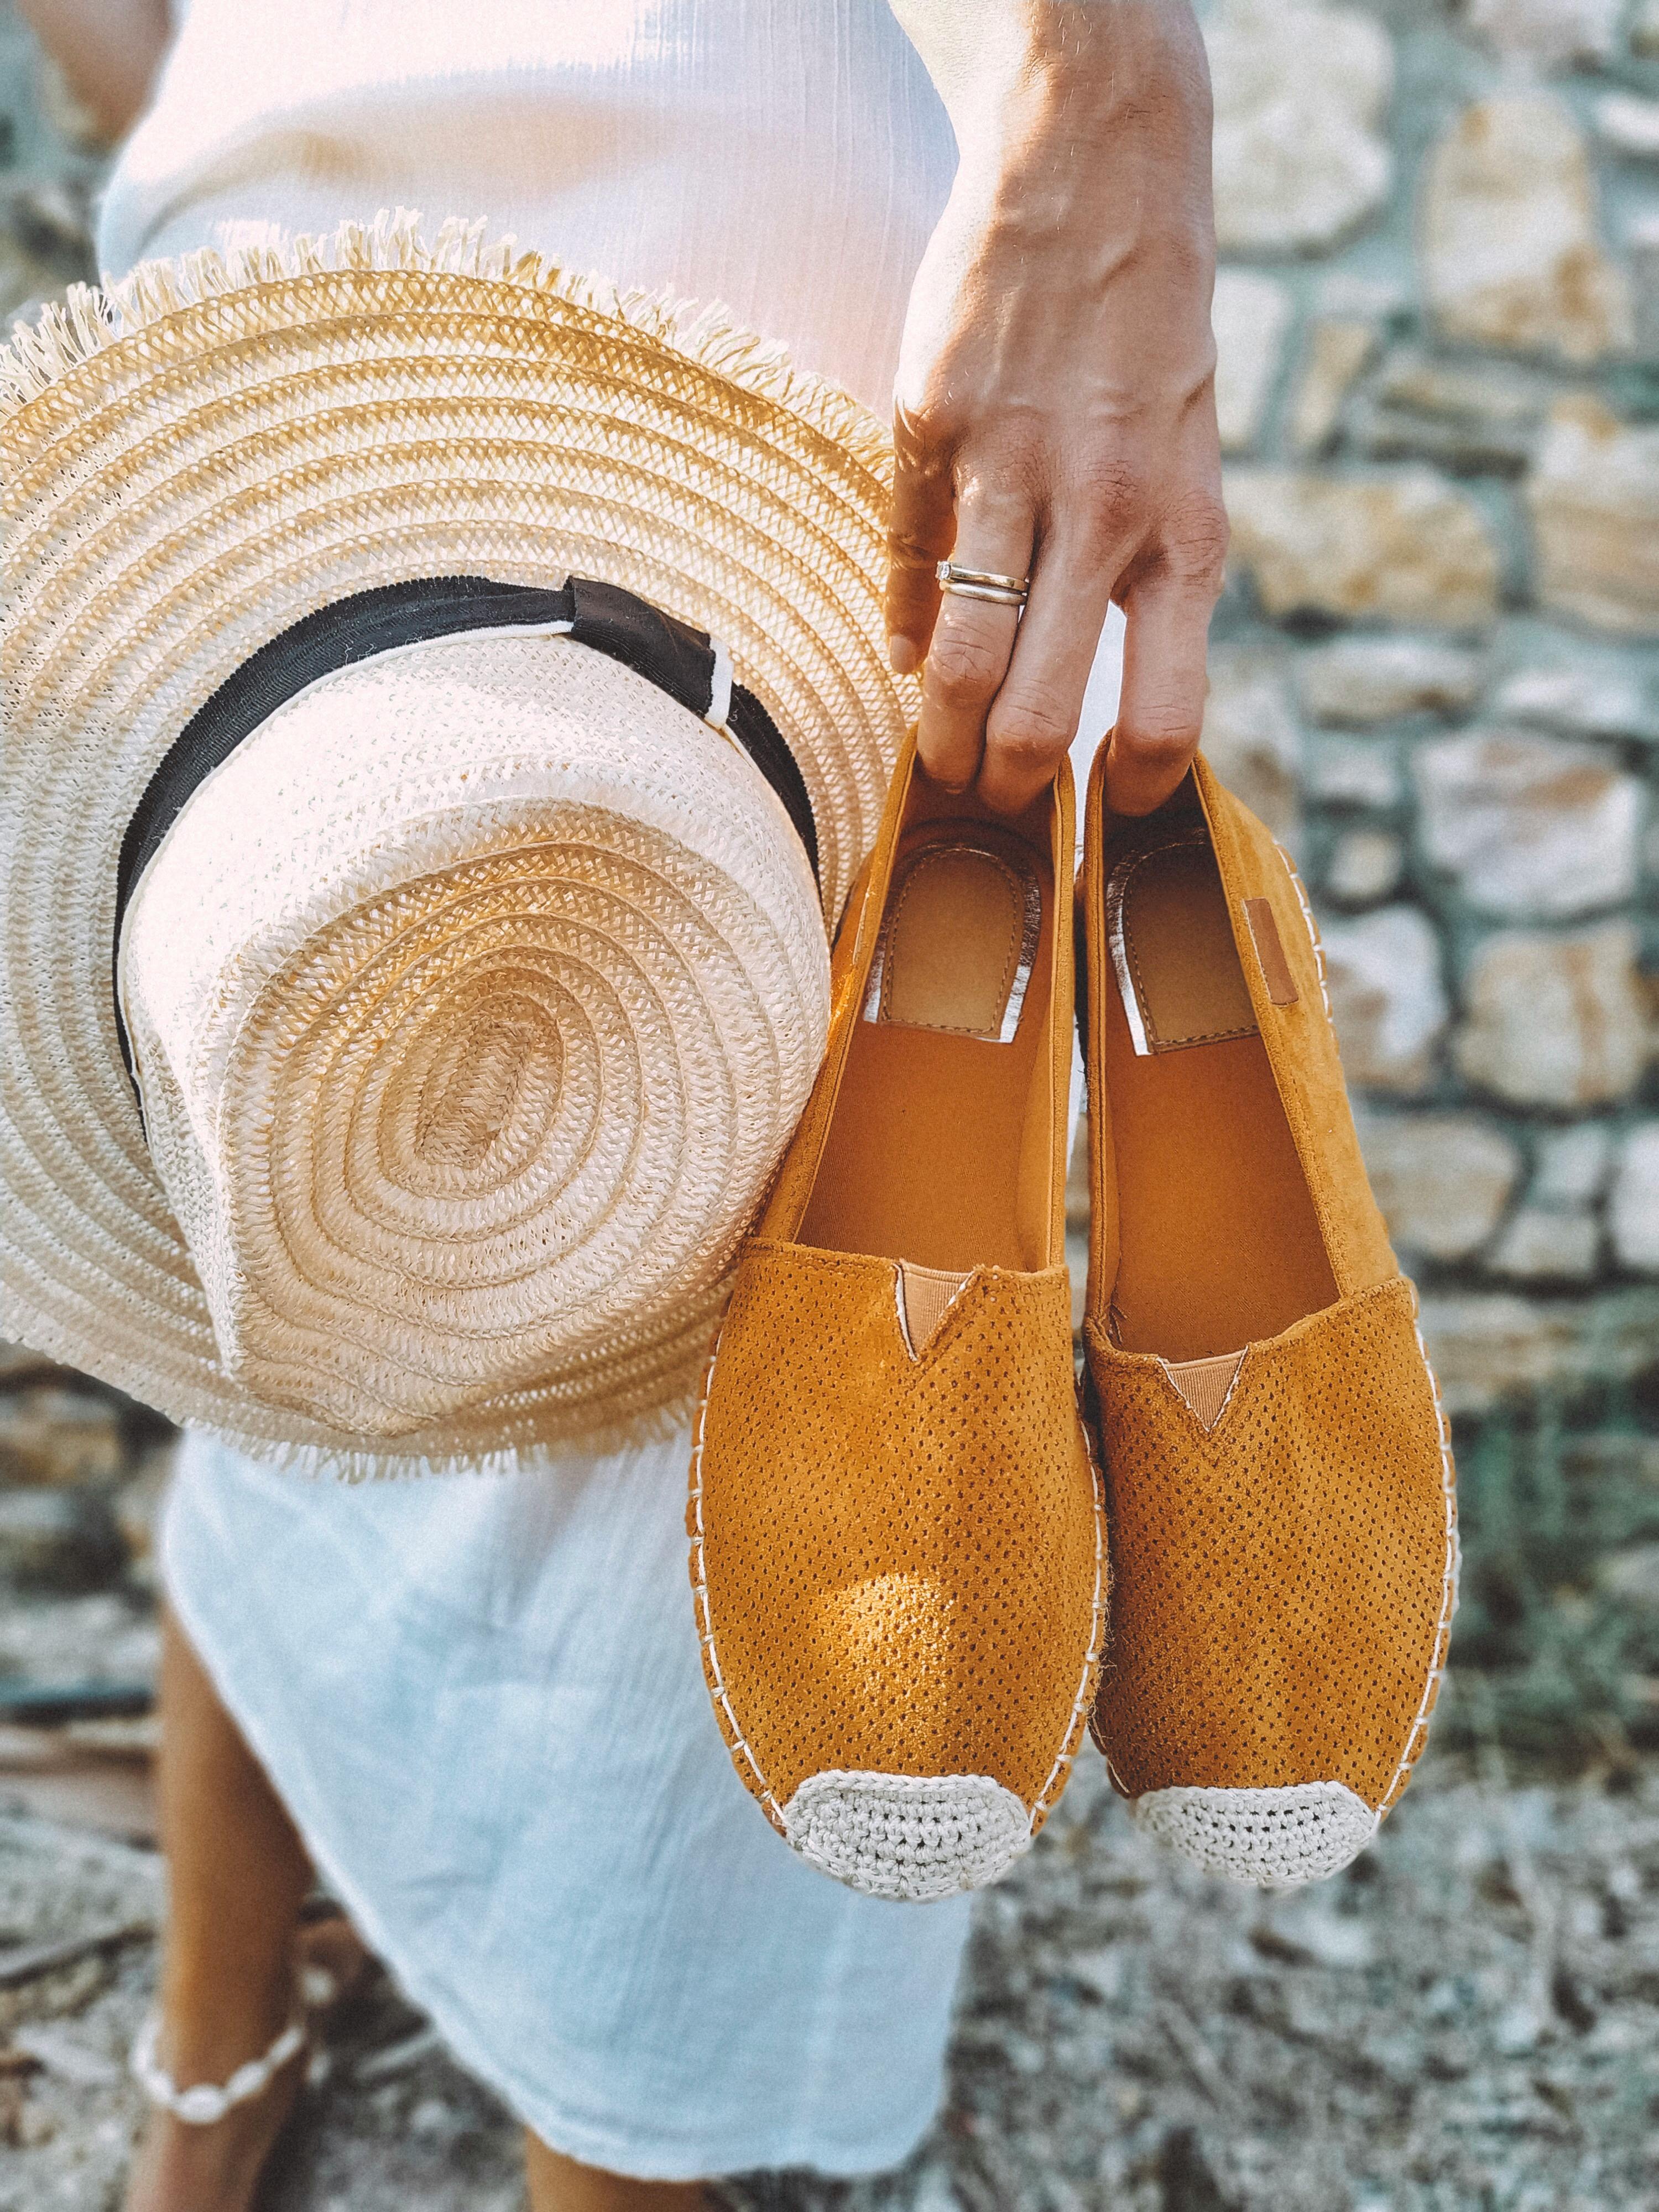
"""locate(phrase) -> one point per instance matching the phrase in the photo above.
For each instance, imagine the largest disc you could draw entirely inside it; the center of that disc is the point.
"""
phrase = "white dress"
(481, 1698)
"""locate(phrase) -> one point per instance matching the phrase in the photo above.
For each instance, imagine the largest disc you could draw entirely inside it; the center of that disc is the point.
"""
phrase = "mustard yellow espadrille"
(897, 1545)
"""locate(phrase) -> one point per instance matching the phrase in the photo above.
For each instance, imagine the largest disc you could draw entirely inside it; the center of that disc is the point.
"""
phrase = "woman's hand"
(1056, 406)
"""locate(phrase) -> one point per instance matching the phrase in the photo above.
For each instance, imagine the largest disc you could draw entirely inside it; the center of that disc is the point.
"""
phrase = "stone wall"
(1437, 667)
(1436, 674)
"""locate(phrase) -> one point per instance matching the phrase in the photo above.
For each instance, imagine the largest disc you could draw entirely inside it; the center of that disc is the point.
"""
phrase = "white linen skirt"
(481, 1699)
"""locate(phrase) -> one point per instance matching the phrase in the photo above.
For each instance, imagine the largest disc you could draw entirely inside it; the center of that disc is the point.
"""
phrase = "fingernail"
(904, 656)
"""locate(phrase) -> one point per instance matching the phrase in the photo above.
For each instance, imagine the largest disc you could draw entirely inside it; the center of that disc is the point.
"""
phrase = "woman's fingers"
(1034, 718)
(1161, 707)
(919, 537)
(973, 642)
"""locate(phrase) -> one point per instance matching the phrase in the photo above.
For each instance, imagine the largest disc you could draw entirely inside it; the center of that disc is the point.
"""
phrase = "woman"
(660, 1999)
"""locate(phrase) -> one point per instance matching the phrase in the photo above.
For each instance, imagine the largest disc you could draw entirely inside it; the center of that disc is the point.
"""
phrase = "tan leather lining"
(942, 1146)
(1172, 948)
(1218, 1244)
(958, 942)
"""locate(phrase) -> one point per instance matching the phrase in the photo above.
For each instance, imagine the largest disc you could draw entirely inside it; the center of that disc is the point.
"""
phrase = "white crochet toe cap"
(905, 1835)
(1274, 1838)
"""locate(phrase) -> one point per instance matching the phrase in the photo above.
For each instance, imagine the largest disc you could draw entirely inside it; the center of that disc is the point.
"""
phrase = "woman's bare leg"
(559, 2185)
(238, 1874)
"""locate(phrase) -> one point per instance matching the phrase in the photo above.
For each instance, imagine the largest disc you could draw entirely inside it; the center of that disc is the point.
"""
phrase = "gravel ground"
(1466, 2019)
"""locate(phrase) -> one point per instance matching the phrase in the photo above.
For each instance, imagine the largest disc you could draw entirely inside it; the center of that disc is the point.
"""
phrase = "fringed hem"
(93, 317)
(325, 1462)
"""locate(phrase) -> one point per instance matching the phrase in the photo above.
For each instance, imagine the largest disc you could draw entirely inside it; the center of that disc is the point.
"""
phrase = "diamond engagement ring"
(982, 584)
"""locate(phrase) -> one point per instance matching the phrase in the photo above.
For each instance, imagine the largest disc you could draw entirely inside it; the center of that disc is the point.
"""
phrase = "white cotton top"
(481, 1698)
(788, 157)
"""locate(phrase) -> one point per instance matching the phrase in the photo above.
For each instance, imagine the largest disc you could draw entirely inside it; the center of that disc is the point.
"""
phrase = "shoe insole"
(939, 1151)
(1220, 1246)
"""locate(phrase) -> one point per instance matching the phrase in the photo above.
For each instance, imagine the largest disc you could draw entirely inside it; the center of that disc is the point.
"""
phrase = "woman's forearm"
(1056, 410)
(108, 50)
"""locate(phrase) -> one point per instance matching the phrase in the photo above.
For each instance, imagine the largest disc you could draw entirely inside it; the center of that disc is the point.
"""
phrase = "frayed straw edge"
(357, 1463)
(92, 318)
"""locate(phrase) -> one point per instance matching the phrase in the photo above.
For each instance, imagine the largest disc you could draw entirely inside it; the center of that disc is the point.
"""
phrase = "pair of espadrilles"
(901, 1510)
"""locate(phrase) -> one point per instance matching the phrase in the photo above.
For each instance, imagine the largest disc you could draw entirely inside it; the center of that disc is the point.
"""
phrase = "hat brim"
(191, 464)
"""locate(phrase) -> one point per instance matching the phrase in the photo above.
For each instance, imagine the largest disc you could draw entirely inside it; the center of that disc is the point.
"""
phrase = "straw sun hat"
(411, 964)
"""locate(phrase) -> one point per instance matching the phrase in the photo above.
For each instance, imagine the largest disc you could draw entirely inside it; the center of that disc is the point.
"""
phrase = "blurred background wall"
(1435, 675)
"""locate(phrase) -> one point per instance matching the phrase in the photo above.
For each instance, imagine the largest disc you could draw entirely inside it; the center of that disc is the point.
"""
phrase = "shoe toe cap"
(1272, 1837)
(915, 1837)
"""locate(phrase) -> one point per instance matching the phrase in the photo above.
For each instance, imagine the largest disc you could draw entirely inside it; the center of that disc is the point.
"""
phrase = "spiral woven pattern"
(186, 468)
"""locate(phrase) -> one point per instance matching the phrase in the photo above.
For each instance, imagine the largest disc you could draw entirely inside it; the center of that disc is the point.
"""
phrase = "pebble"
(1594, 500)
(1541, 1245)
(1339, 348)
(1441, 1180)
(59, 1435)
(1509, 235)
(1466, 418)
(1554, 1020)
(1406, 546)
(1386, 997)
(1571, 1166)
(1251, 737)
(57, 1539)
(1364, 867)
(1628, 125)
(1250, 315)
(1363, 680)
(1351, 772)
(1530, 826)
(1633, 1201)
(1300, 91)
(1550, 31)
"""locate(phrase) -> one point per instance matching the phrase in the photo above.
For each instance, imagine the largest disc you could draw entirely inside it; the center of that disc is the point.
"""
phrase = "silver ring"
(982, 584)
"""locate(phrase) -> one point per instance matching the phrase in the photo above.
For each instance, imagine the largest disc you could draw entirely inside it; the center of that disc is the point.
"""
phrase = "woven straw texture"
(191, 465)
(916, 1586)
(1282, 1583)
(465, 1086)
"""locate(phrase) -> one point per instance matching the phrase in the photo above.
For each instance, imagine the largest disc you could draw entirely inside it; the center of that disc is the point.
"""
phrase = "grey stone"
(50, 220)
(1531, 827)
(1364, 867)
(54, 1435)
(1338, 350)
(1250, 315)
(1554, 1020)
(1461, 416)
(1641, 248)
(1360, 680)
(1550, 31)
(1485, 1344)
(1628, 125)
(1631, 1576)
(1593, 498)
(1387, 998)
(1299, 91)
(1633, 1201)
(1353, 772)
(1508, 234)
(1251, 737)
(57, 1539)
(1543, 1244)
(1441, 1180)
(1571, 1166)
(1404, 547)
(1580, 691)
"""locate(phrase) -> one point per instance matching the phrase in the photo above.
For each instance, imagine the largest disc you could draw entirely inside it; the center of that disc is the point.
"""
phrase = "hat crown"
(427, 987)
